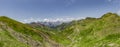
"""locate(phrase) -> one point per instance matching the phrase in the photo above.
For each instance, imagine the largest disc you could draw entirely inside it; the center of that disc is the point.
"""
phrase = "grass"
(89, 32)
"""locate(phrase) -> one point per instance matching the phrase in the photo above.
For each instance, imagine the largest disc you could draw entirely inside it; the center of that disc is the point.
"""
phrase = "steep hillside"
(16, 34)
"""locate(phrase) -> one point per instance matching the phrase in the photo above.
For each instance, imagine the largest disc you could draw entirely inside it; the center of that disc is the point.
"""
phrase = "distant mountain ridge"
(49, 24)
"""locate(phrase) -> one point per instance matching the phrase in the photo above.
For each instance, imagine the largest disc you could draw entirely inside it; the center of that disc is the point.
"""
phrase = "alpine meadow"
(59, 23)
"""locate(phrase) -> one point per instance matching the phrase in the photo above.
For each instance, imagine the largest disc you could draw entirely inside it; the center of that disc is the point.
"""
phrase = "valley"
(88, 32)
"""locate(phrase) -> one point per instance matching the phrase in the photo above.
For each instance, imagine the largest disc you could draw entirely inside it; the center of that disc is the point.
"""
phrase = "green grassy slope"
(18, 34)
(22, 35)
(94, 32)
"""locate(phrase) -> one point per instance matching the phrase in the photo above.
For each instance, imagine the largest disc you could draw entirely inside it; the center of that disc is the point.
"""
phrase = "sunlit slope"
(16, 34)
(94, 32)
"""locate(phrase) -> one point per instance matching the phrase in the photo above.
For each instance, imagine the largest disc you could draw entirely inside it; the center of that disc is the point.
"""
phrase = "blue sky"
(53, 10)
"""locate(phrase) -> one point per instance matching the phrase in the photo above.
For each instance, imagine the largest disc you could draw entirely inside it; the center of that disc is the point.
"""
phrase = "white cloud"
(50, 20)
(118, 12)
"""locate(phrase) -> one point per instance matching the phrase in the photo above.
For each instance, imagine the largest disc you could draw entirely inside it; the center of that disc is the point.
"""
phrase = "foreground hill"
(16, 34)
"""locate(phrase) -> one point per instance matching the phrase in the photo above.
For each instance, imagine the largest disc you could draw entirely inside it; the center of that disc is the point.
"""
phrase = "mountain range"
(49, 24)
(89, 32)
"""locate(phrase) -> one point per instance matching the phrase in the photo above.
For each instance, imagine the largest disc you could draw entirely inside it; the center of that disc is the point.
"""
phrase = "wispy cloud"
(118, 12)
(70, 2)
(117, 3)
(109, 0)
(114, 1)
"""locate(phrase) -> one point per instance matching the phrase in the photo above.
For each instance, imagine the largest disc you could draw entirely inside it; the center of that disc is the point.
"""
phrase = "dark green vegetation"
(89, 32)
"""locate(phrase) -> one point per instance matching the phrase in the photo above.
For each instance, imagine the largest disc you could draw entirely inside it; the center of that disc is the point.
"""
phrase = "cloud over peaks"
(50, 20)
